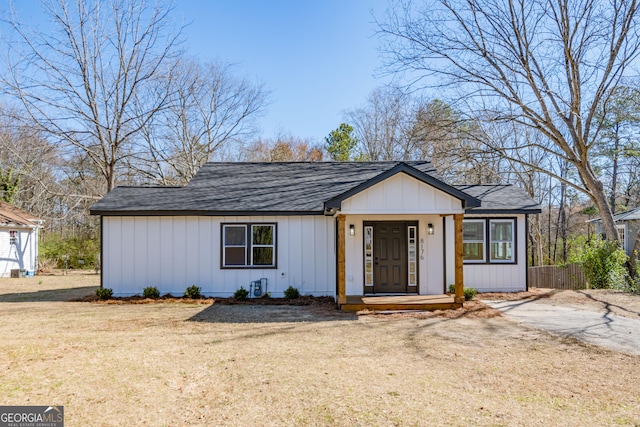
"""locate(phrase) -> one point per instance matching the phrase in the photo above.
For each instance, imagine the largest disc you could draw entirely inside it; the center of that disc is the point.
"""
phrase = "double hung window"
(248, 245)
(488, 240)
(473, 231)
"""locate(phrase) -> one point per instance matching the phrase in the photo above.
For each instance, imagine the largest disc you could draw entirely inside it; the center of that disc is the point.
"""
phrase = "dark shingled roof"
(268, 189)
(500, 198)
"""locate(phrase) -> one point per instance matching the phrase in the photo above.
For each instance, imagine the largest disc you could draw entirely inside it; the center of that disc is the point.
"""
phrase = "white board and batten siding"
(174, 252)
(430, 252)
(401, 194)
(496, 277)
(400, 198)
(23, 255)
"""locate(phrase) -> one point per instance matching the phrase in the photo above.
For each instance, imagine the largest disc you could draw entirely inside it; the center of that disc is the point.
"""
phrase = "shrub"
(104, 293)
(291, 293)
(470, 293)
(193, 292)
(452, 288)
(53, 247)
(603, 262)
(241, 294)
(151, 292)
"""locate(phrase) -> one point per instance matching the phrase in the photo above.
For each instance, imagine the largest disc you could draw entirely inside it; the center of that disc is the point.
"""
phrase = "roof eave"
(503, 211)
(202, 213)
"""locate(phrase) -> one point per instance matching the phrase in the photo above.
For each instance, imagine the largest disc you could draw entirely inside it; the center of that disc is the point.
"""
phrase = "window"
(13, 237)
(368, 255)
(501, 235)
(412, 230)
(495, 246)
(248, 245)
(473, 231)
(622, 234)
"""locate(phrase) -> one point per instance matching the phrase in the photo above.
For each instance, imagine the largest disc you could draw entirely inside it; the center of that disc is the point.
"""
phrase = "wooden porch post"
(457, 219)
(342, 271)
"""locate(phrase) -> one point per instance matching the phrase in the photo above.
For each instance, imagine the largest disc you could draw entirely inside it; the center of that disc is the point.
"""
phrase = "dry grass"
(180, 364)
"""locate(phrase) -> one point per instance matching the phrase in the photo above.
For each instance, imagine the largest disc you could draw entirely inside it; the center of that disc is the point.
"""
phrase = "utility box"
(18, 273)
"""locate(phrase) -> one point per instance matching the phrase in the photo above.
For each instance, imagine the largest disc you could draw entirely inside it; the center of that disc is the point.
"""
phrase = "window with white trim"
(473, 232)
(622, 234)
(248, 245)
(412, 231)
(13, 237)
(368, 255)
(501, 236)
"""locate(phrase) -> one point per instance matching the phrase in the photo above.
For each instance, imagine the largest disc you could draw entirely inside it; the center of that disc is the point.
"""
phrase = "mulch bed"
(137, 299)
(302, 300)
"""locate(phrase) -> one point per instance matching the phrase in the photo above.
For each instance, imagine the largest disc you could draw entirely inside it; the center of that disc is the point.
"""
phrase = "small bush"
(241, 294)
(193, 292)
(452, 288)
(151, 292)
(104, 293)
(291, 293)
(470, 293)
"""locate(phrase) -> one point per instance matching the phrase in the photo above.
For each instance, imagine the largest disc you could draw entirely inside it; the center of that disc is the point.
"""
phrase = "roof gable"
(466, 199)
(401, 194)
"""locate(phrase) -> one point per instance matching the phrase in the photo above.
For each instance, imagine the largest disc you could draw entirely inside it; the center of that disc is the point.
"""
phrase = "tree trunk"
(597, 194)
(563, 221)
(614, 172)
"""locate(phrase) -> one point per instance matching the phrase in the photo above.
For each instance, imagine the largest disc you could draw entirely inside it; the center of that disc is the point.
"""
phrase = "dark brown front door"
(390, 257)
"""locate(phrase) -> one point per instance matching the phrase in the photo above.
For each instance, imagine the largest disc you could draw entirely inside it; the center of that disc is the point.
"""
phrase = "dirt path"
(605, 329)
(604, 301)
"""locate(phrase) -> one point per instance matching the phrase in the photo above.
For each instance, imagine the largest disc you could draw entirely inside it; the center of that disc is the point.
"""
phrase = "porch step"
(400, 302)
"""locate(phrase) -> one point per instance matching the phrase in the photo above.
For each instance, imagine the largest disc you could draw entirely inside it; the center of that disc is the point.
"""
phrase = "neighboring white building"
(18, 240)
(338, 229)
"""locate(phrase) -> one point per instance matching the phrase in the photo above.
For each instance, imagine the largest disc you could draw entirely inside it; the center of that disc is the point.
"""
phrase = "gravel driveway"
(604, 329)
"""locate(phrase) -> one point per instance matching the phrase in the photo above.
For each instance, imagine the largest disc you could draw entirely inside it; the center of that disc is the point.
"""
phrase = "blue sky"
(317, 58)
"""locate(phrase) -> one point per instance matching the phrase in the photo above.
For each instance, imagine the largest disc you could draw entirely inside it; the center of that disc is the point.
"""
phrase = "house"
(343, 229)
(628, 225)
(18, 241)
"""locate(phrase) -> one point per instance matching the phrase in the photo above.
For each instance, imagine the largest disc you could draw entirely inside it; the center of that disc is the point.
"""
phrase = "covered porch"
(434, 301)
(400, 302)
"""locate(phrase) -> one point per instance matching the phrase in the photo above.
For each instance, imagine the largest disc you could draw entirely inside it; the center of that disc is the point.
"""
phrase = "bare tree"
(286, 148)
(618, 144)
(88, 84)
(549, 65)
(382, 124)
(210, 111)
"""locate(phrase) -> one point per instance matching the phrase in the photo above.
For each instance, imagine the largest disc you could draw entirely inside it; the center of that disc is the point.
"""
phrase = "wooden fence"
(550, 276)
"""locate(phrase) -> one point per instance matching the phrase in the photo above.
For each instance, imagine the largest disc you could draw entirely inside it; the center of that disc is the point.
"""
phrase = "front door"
(390, 257)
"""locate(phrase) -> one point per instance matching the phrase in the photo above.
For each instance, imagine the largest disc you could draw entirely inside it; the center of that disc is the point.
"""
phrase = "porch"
(400, 302)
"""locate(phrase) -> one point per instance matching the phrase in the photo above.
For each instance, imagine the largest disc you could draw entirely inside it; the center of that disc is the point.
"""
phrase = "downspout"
(526, 250)
(444, 255)
(101, 251)
(335, 252)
